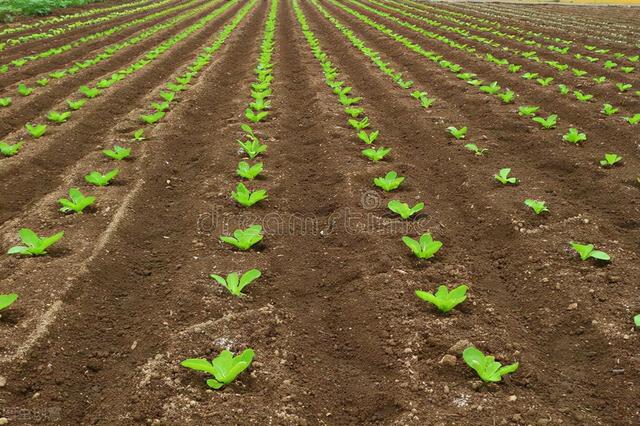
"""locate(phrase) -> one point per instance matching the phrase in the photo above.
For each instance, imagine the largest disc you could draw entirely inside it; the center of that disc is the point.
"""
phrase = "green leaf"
(487, 368)
(7, 300)
(444, 299)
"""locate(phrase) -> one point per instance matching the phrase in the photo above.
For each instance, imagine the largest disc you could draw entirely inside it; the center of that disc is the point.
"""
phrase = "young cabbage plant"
(426, 102)
(403, 209)
(359, 124)
(389, 182)
(424, 248)
(176, 87)
(247, 198)
(138, 135)
(564, 90)
(547, 123)
(503, 177)
(474, 148)
(574, 136)
(76, 203)
(36, 130)
(507, 97)
(458, 133)
(587, 251)
(160, 106)
(117, 153)
(247, 171)
(528, 111)
(636, 320)
(224, 368)
(23, 90)
(609, 110)
(76, 105)
(235, 283)
(544, 81)
(488, 369)
(353, 112)
(253, 147)
(43, 82)
(491, 89)
(582, 97)
(634, 119)
(444, 299)
(376, 154)
(168, 96)
(345, 100)
(255, 117)
(9, 150)
(98, 179)
(610, 160)
(5, 102)
(537, 206)
(89, 92)
(7, 300)
(622, 87)
(33, 244)
(368, 138)
(152, 118)
(244, 239)
(58, 117)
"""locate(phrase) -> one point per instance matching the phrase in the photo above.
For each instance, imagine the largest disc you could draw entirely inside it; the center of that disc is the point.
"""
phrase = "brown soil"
(340, 338)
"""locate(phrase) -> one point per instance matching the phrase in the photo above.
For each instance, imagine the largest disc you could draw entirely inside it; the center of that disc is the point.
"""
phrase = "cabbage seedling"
(5, 102)
(98, 179)
(403, 209)
(487, 367)
(247, 198)
(507, 97)
(610, 160)
(10, 150)
(77, 202)
(359, 124)
(491, 89)
(635, 119)
(503, 177)
(538, 207)
(255, 117)
(58, 117)
(527, 111)
(244, 239)
(138, 135)
(24, 90)
(424, 248)
(622, 87)
(43, 82)
(347, 101)
(253, 147)
(176, 87)
(36, 130)
(609, 110)
(167, 96)
(574, 136)
(76, 105)
(33, 244)
(547, 123)
(248, 171)
(7, 300)
(353, 112)
(474, 148)
(376, 154)
(160, 106)
(564, 90)
(587, 251)
(368, 138)
(152, 118)
(426, 102)
(636, 320)
(117, 153)
(389, 182)
(582, 97)
(89, 92)
(224, 368)
(544, 81)
(234, 283)
(444, 299)
(458, 133)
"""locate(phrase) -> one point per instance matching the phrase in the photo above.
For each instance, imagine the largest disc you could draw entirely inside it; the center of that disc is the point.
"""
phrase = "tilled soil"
(104, 320)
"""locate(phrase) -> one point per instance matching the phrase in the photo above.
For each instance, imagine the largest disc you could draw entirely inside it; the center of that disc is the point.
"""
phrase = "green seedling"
(368, 138)
(345, 100)
(609, 110)
(224, 368)
(10, 150)
(247, 198)
(507, 97)
(23, 90)
(610, 65)
(610, 160)
(176, 87)
(160, 106)
(33, 244)
(600, 80)
(5, 102)
(359, 124)
(152, 118)
(503, 177)
(376, 154)
(7, 300)
(513, 68)
(234, 283)
(587, 251)
(622, 87)
(89, 92)
(43, 82)
(117, 153)
(635, 119)
(527, 111)
(574, 136)
(636, 320)
(253, 147)
(98, 179)
(544, 81)
(57, 74)
(36, 130)
(424, 248)
(168, 96)
(244, 239)
(458, 133)
(564, 90)
(353, 112)
(538, 207)
(260, 105)
(582, 97)
(255, 117)
(578, 73)
(444, 299)
(426, 102)
(492, 88)
(76, 105)
(530, 75)
(403, 209)
(416, 94)
(247, 171)
(389, 182)
(77, 202)
(547, 123)
(58, 117)
(138, 135)
(474, 148)
(488, 369)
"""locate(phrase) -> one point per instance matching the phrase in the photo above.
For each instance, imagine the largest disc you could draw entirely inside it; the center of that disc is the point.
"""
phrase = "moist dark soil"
(104, 320)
